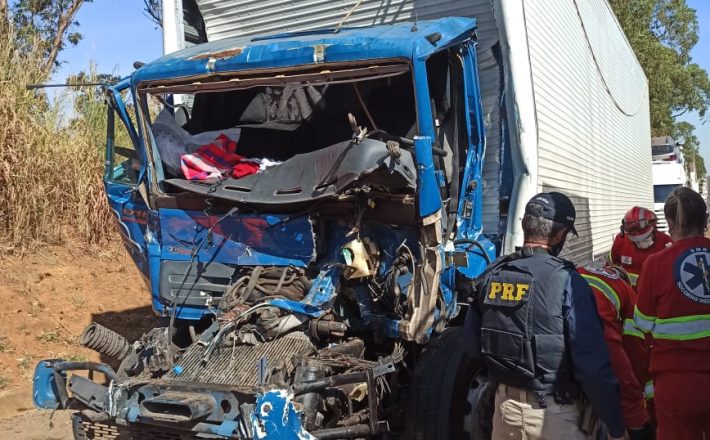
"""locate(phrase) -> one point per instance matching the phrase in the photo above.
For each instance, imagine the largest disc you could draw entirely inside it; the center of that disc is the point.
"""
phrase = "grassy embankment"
(51, 160)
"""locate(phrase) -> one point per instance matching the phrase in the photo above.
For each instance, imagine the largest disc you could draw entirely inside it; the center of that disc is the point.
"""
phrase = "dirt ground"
(46, 300)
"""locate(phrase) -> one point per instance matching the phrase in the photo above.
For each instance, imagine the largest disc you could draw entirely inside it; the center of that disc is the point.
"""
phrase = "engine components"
(259, 282)
(362, 258)
(323, 328)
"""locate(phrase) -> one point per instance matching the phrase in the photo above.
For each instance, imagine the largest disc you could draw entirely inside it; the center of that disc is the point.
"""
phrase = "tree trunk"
(63, 23)
(3, 13)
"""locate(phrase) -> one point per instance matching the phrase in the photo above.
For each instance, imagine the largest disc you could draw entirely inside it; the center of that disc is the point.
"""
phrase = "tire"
(444, 392)
(78, 428)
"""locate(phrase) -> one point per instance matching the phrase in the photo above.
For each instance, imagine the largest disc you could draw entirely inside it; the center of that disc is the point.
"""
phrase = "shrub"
(51, 158)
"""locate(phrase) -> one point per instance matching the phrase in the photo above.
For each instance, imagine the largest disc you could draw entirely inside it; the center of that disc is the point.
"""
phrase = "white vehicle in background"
(666, 178)
(665, 150)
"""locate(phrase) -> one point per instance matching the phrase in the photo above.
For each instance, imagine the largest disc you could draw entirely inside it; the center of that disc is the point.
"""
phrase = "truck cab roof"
(404, 40)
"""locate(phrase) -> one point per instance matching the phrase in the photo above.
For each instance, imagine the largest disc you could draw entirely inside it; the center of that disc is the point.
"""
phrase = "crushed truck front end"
(292, 294)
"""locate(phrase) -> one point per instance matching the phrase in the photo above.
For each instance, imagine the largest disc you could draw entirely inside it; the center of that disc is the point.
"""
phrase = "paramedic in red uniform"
(616, 300)
(674, 307)
(638, 239)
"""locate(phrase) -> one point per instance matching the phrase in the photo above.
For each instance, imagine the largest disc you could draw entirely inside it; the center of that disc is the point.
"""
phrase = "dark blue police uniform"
(535, 322)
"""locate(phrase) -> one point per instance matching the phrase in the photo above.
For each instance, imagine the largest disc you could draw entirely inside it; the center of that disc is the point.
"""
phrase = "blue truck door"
(471, 195)
(125, 169)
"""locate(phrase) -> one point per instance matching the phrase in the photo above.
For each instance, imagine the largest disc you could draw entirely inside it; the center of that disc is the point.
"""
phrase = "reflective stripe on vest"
(648, 390)
(633, 278)
(630, 329)
(682, 328)
(606, 289)
(643, 322)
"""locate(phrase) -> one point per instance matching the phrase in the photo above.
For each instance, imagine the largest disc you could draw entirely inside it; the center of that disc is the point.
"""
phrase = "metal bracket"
(88, 392)
(382, 369)
(263, 370)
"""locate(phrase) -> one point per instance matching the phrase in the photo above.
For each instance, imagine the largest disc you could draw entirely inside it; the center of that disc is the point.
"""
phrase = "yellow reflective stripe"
(633, 278)
(648, 390)
(682, 328)
(689, 318)
(606, 289)
(643, 322)
(630, 328)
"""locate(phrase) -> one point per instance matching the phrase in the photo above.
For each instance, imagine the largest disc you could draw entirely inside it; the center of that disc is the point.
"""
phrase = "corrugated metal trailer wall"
(229, 18)
(592, 116)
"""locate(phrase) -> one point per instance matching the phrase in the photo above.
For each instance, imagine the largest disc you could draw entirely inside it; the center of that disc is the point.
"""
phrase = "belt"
(539, 398)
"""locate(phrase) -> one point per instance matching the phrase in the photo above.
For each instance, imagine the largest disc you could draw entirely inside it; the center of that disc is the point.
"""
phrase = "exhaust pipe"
(178, 407)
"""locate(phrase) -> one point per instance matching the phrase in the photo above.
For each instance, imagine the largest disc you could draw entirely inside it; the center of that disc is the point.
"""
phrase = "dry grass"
(50, 169)
(48, 337)
(78, 302)
(24, 364)
(5, 345)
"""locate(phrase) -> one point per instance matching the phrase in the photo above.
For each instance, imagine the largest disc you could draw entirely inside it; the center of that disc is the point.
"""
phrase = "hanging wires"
(196, 248)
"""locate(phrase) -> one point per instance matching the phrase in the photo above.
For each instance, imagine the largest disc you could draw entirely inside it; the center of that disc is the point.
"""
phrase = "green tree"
(662, 34)
(49, 24)
(87, 93)
(685, 133)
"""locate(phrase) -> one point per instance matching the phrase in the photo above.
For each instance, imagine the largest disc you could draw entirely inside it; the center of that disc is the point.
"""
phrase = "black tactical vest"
(522, 323)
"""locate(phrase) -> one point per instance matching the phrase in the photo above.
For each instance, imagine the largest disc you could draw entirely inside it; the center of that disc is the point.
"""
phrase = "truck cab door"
(456, 111)
(124, 172)
(470, 207)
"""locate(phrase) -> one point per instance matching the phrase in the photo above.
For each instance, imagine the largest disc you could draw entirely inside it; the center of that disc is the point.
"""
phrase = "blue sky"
(116, 33)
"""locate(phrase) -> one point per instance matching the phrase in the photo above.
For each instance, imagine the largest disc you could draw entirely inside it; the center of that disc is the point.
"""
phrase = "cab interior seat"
(280, 122)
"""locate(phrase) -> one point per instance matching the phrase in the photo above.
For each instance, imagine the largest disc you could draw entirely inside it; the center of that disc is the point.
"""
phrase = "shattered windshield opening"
(209, 135)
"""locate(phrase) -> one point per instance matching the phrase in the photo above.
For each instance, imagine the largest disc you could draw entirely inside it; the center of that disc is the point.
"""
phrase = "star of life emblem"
(692, 274)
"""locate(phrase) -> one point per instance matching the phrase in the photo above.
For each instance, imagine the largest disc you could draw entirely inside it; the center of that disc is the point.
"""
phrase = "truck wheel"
(77, 427)
(445, 393)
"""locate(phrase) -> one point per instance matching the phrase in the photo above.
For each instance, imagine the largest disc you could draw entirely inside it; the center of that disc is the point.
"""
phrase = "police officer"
(534, 321)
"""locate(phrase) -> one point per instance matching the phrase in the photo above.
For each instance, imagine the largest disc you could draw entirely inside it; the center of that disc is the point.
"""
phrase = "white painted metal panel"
(591, 101)
(227, 18)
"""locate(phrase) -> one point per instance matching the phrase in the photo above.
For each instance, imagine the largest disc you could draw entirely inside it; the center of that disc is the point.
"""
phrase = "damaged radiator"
(240, 365)
(101, 431)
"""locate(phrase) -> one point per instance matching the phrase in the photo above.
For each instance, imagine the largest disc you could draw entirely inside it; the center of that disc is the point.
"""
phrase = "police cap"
(553, 206)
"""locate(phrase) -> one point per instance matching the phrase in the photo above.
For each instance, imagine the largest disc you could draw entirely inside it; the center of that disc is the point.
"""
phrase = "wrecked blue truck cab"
(292, 296)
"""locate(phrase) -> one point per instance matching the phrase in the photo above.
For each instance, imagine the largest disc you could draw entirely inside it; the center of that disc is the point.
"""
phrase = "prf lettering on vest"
(508, 291)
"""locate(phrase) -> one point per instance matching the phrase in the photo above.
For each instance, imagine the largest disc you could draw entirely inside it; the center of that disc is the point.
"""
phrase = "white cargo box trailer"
(565, 99)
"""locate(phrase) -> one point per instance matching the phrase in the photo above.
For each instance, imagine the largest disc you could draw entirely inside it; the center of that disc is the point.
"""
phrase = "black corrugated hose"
(105, 341)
